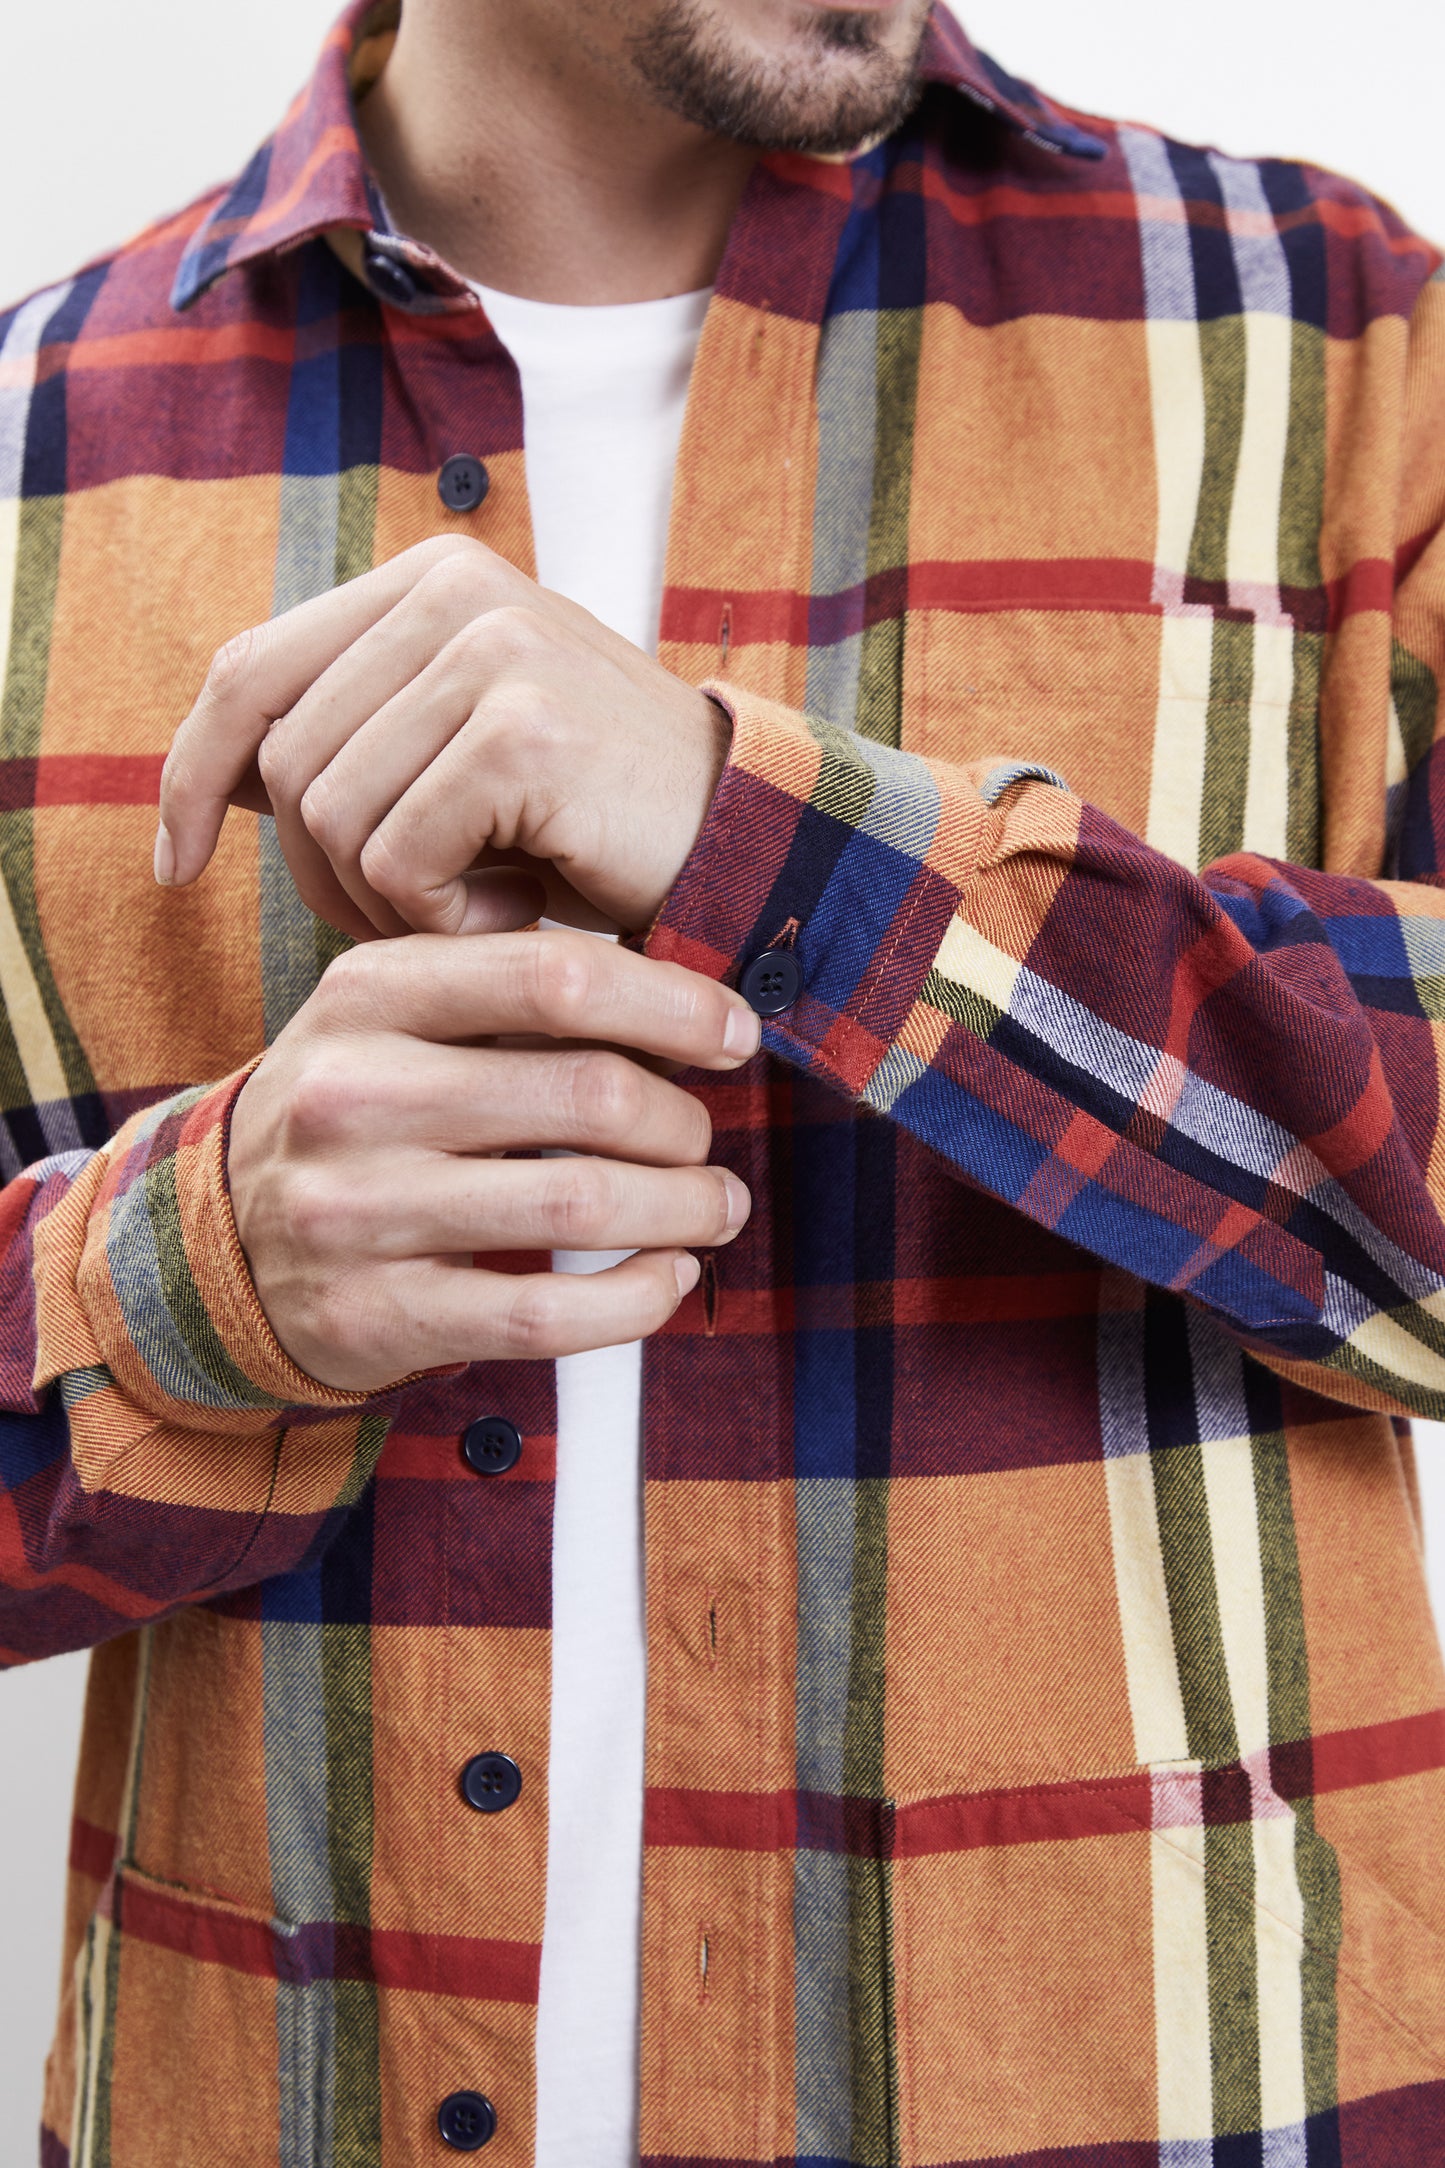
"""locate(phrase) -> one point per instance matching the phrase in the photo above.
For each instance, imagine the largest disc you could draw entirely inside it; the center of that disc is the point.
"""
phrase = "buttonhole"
(709, 1292)
(725, 633)
(712, 1629)
(704, 1955)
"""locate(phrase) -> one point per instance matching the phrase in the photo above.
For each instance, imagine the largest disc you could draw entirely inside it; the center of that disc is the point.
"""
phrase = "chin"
(784, 74)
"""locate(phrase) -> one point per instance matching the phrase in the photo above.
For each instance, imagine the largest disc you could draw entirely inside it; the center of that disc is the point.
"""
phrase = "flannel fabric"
(1046, 1725)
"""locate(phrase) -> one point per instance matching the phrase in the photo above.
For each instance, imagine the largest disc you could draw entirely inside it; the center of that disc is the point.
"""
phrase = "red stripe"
(98, 778)
(212, 1933)
(92, 1850)
(1402, 1746)
(761, 616)
(1026, 1814)
(410, 1456)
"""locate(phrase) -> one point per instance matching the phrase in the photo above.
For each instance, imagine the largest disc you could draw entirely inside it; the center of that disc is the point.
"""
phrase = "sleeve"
(1226, 1084)
(157, 1445)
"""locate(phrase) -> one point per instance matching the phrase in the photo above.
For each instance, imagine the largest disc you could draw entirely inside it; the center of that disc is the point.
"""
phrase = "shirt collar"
(311, 178)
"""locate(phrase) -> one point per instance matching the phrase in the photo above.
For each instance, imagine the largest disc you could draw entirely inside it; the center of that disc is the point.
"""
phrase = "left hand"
(433, 721)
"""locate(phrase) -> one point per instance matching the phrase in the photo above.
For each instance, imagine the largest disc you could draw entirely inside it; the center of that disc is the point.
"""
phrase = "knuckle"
(324, 1100)
(349, 985)
(319, 1215)
(274, 758)
(577, 1209)
(233, 662)
(453, 583)
(531, 1325)
(561, 982)
(323, 817)
(383, 865)
(607, 1095)
(518, 632)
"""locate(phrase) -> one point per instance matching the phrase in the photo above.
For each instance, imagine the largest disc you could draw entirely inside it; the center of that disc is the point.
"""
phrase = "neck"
(532, 163)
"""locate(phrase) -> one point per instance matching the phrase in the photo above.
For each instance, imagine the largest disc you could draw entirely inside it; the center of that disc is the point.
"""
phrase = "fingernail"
(740, 1202)
(742, 1033)
(165, 859)
(688, 1270)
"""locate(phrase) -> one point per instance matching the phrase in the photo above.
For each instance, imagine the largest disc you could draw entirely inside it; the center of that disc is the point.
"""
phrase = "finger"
(529, 1316)
(388, 749)
(419, 849)
(474, 1100)
(434, 1314)
(258, 677)
(563, 985)
(559, 1204)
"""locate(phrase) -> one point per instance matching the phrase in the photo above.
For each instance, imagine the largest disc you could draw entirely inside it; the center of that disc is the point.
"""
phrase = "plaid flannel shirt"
(1045, 1732)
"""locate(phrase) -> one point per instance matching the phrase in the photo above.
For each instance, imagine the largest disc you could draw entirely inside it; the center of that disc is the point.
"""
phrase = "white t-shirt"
(603, 391)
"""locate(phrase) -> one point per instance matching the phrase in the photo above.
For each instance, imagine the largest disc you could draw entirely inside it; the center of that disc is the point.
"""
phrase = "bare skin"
(524, 141)
(446, 747)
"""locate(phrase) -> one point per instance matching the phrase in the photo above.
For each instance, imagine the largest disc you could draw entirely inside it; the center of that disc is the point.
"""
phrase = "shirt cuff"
(162, 1291)
(850, 854)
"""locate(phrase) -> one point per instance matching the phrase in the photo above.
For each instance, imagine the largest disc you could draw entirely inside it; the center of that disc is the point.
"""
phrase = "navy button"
(389, 278)
(491, 1445)
(467, 2121)
(491, 1783)
(463, 482)
(771, 982)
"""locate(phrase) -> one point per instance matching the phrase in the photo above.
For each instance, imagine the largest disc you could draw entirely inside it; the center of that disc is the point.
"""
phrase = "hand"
(364, 1167)
(438, 718)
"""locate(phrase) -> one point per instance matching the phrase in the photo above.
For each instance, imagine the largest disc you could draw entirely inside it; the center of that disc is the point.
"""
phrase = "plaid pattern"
(1046, 1726)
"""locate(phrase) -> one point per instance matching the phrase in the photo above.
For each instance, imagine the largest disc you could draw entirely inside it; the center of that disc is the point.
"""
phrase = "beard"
(848, 86)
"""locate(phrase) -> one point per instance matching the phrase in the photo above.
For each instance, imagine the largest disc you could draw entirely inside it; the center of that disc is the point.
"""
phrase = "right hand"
(359, 1152)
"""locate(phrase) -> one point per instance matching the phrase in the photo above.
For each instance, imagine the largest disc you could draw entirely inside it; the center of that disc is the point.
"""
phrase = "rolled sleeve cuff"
(162, 1290)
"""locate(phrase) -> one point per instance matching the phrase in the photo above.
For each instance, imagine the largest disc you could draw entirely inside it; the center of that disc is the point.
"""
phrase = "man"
(1044, 1733)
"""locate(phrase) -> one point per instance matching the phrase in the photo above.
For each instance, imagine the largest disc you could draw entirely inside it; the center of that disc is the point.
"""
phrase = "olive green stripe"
(845, 786)
(1233, 1976)
(869, 1949)
(1222, 358)
(1301, 515)
(880, 672)
(203, 1343)
(1287, 1648)
(1319, 1881)
(22, 716)
(1226, 740)
(355, 522)
(1417, 702)
(1187, 1546)
(874, 2141)
(346, 1691)
(1423, 1400)
(1304, 817)
(1226, 729)
(961, 1003)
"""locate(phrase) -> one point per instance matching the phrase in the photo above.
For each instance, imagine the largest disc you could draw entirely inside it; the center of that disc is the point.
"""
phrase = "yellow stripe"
(1181, 1987)
(1156, 1700)
(1176, 783)
(1252, 551)
(25, 1010)
(970, 961)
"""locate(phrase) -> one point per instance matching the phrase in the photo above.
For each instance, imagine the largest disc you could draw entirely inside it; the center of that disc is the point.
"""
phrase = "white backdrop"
(117, 113)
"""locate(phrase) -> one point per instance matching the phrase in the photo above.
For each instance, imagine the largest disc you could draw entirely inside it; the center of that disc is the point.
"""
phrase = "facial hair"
(685, 61)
